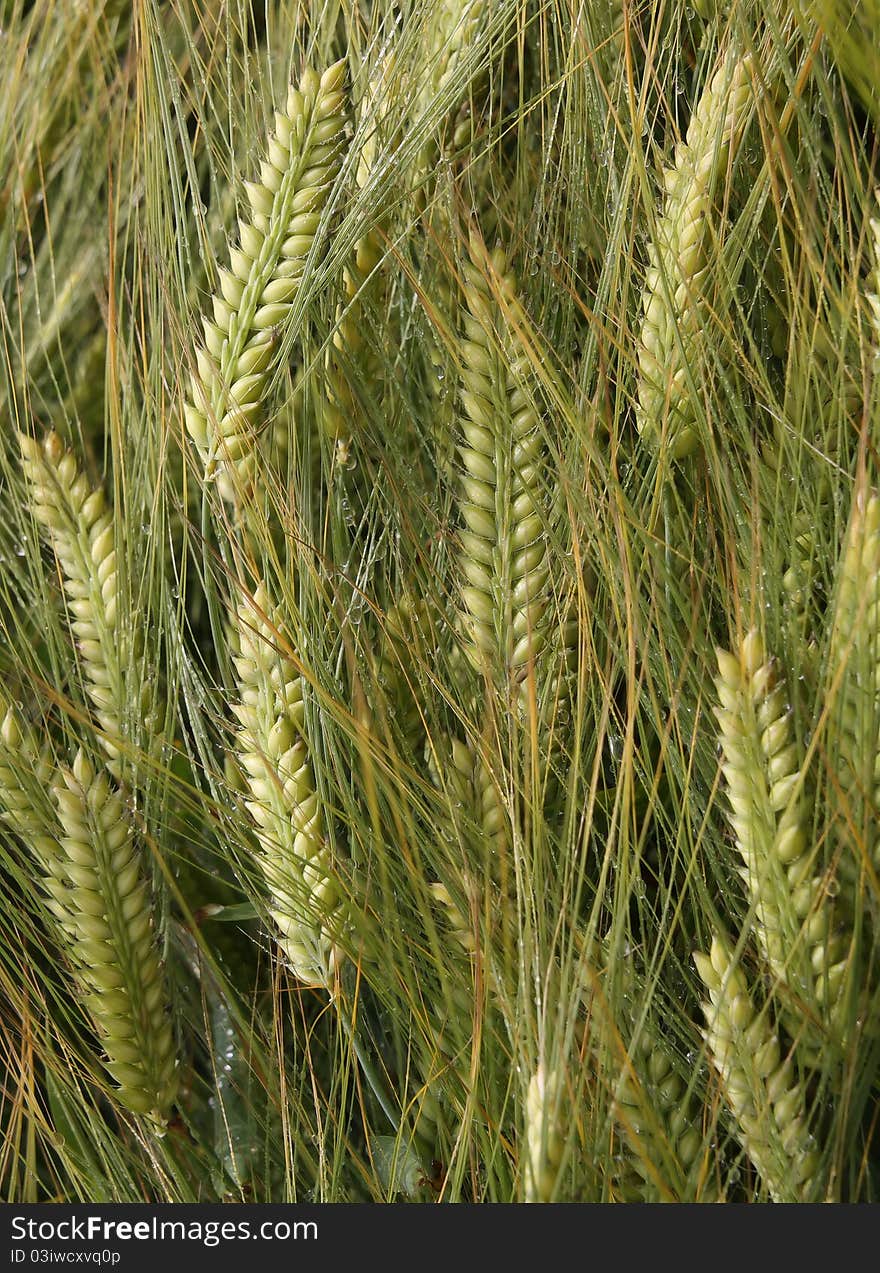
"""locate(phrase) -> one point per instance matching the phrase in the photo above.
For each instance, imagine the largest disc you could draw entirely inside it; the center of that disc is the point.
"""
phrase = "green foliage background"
(537, 912)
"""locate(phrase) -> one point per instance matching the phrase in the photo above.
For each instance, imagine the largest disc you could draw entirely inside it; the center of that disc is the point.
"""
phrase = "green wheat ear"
(295, 858)
(25, 774)
(659, 1120)
(454, 27)
(470, 786)
(544, 1142)
(853, 733)
(113, 942)
(503, 544)
(769, 1106)
(672, 301)
(806, 943)
(259, 290)
(79, 526)
(398, 683)
(360, 284)
(872, 296)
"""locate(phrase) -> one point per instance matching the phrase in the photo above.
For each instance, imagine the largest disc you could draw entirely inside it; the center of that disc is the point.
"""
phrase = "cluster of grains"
(873, 296)
(452, 33)
(99, 895)
(768, 1103)
(441, 371)
(503, 542)
(25, 774)
(304, 901)
(398, 672)
(800, 584)
(259, 290)
(674, 309)
(349, 349)
(459, 924)
(114, 948)
(79, 526)
(485, 918)
(660, 1122)
(853, 732)
(473, 788)
(543, 1137)
(805, 943)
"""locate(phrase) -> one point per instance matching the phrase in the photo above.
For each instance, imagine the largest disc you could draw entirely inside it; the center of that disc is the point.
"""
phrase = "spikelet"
(806, 944)
(671, 300)
(258, 291)
(113, 944)
(79, 526)
(295, 857)
(768, 1104)
(543, 1138)
(503, 544)
(853, 733)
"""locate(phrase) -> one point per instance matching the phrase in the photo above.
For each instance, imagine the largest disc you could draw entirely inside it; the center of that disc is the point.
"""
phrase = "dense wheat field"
(439, 600)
